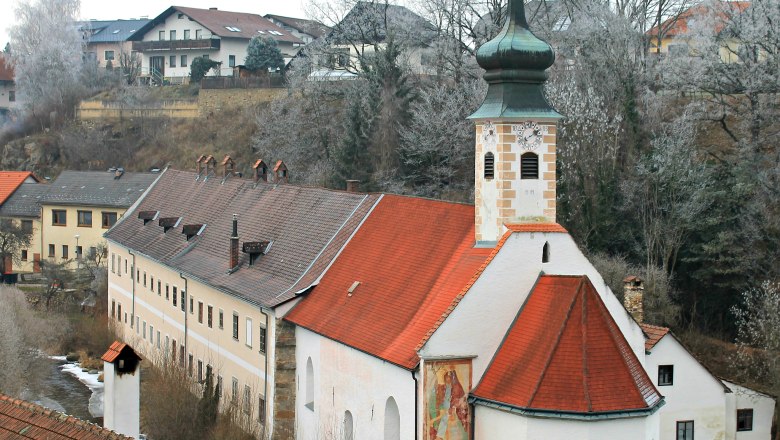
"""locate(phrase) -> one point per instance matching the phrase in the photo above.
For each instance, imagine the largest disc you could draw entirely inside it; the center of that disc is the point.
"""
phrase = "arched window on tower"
(546, 253)
(529, 166)
(489, 165)
(349, 426)
(309, 384)
(392, 420)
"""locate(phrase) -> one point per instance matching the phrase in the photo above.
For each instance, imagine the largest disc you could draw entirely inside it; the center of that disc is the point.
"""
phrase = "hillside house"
(108, 40)
(23, 208)
(7, 86)
(170, 41)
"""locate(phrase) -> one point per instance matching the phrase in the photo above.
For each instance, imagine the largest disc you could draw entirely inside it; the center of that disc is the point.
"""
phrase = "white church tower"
(516, 128)
(122, 398)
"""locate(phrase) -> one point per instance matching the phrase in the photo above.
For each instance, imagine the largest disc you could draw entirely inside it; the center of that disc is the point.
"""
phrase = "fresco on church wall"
(447, 384)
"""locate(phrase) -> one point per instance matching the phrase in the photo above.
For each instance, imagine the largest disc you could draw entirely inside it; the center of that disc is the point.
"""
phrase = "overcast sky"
(110, 10)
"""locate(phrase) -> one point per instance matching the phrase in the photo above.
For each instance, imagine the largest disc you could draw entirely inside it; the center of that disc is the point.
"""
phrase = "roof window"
(275, 32)
(148, 216)
(232, 29)
(192, 230)
(116, 31)
(261, 32)
(169, 222)
(255, 249)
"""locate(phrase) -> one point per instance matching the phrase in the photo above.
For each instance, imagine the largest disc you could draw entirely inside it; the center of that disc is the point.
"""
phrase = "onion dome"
(515, 64)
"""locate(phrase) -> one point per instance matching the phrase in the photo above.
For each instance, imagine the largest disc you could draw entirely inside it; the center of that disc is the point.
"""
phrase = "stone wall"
(284, 395)
(211, 101)
(87, 110)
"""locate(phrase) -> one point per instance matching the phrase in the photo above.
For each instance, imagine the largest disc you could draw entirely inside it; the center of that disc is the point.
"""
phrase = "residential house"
(170, 41)
(7, 86)
(107, 40)
(23, 207)
(306, 30)
(202, 278)
(20, 419)
(10, 182)
(80, 206)
(672, 36)
(368, 26)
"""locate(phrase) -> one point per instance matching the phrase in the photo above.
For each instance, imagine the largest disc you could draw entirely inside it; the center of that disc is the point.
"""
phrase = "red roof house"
(11, 180)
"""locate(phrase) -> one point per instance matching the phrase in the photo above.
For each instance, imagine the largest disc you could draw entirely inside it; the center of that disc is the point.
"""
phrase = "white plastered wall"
(346, 379)
(121, 401)
(763, 407)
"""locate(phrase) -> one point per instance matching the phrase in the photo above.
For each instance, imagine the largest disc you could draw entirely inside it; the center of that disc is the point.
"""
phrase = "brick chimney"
(234, 244)
(352, 186)
(633, 297)
(280, 172)
(261, 171)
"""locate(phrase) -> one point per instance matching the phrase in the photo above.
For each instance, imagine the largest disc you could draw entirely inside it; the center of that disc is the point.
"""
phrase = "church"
(335, 314)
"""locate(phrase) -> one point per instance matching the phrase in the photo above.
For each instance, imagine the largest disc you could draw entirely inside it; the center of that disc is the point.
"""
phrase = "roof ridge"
(557, 344)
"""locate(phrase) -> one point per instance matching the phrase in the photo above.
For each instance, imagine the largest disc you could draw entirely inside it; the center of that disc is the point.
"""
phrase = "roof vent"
(148, 216)
(192, 230)
(169, 222)
(255, 249)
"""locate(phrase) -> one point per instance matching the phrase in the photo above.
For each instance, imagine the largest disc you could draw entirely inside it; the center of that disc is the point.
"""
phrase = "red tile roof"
(10, 181)
(25, 420)
(536, 227)
(654, 334)
(564, 353)
(115, 350)
(404, 267)
(679, 25)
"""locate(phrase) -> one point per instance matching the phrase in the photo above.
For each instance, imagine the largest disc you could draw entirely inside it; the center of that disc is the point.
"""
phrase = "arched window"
(349, 426)
(392, 420)
(309, 384)
(489, 165)
(546, 253)
(529, 166)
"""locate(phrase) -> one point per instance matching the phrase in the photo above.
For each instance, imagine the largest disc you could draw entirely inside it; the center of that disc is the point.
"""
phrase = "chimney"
(122, 380)
(213, 9)
(228, 167)
(234, 244)
(261, 171)
(633, 297)
(352, 186)
(280, 172)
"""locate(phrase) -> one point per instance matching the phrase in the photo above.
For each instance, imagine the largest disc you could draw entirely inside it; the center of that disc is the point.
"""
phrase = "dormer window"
(148, 216)
(255, 249)
(489, 166)
(169, 222)
(192, 230)
(529, 166)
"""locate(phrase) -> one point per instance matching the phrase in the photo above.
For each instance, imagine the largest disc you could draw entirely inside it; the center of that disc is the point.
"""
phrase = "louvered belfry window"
(489, 165)
(529, 166)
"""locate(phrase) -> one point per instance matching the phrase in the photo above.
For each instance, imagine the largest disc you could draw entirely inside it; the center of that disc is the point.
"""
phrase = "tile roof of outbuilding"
(111, 31)
(306, 228)
(564, 353)
(395, 278)
(24, 420)
(97, 188)
(654, 334)
(10, 181)
(24, 202)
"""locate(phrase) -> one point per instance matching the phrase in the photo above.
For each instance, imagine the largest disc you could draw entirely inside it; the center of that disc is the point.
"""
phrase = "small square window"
(64, 251)
(745, 419)
(109, 218)
(109, 55)
(161, 35)
(24, 254)
(231, 61)
(172, 61)
(27, 226)
(198, 34)
(184, 60)
(665, 375)
(51, 251)
(85, 219)
(186, 34)
(173, 35)
(685, 430)
(58, 217)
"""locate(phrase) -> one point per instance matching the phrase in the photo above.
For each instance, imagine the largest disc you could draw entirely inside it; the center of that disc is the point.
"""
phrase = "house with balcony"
(170, 41)
(108, 40)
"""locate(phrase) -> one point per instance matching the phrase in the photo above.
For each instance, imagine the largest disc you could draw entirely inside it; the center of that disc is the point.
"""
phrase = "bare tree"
(129, 66)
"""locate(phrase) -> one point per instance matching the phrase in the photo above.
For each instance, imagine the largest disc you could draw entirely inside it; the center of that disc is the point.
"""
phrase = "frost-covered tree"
(263, 54)
(47, 56)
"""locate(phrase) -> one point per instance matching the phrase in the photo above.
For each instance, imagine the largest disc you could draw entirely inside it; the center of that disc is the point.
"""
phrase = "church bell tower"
(516, 131)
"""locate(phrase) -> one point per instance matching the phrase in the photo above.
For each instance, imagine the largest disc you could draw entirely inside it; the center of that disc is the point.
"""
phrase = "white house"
(7, 86)
(170, 41)
(306, 30)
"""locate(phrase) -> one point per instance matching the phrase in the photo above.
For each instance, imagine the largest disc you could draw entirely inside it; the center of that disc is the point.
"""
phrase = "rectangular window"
(247, 404)
(200, 312)
(159, 288)
(125, 265)
(665, 375)
(173, 352)
(167, 292)
(173, 35)
(235, 326)
(209, 317)
(172, 61)
(183, 301)
(205, 56)
(85, 219)
(138, 275)
(119, 313)
(144, 278)
(158, 339)
(144, 332)
(186, 35)
(182, 361)
(263, 336)
(78, 252)
(234, 394)
(161, 35)
(58, 217)
(109, 218)
(151, 334)
(27, 227)
(231, 61)
(189, 364)
(184, 61)
(109, 55)
(745, 419)
(51, 250)
(219, 386)
(249, 332)
(200, 370)
(175, 296)
(261, 410)
(113, 309)
(151, 282)
(12, 96)
(221, 319)
(685, 430)
(65, 251)
(24, 254)
(198, 34)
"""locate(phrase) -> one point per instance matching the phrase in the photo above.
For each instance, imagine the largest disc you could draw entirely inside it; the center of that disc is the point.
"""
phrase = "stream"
(69, 390)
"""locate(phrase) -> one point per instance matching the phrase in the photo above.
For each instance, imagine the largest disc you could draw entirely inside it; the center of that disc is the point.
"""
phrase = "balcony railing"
(149, 46)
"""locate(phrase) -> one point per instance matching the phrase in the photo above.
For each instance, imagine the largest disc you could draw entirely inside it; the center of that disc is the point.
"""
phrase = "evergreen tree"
(208, 406)
(200, 67)
(263, 54)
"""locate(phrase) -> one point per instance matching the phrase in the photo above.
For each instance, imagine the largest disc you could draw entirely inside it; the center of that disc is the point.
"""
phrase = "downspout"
(186, 315)
(416, 406)
(265, 380)
(132, 278)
